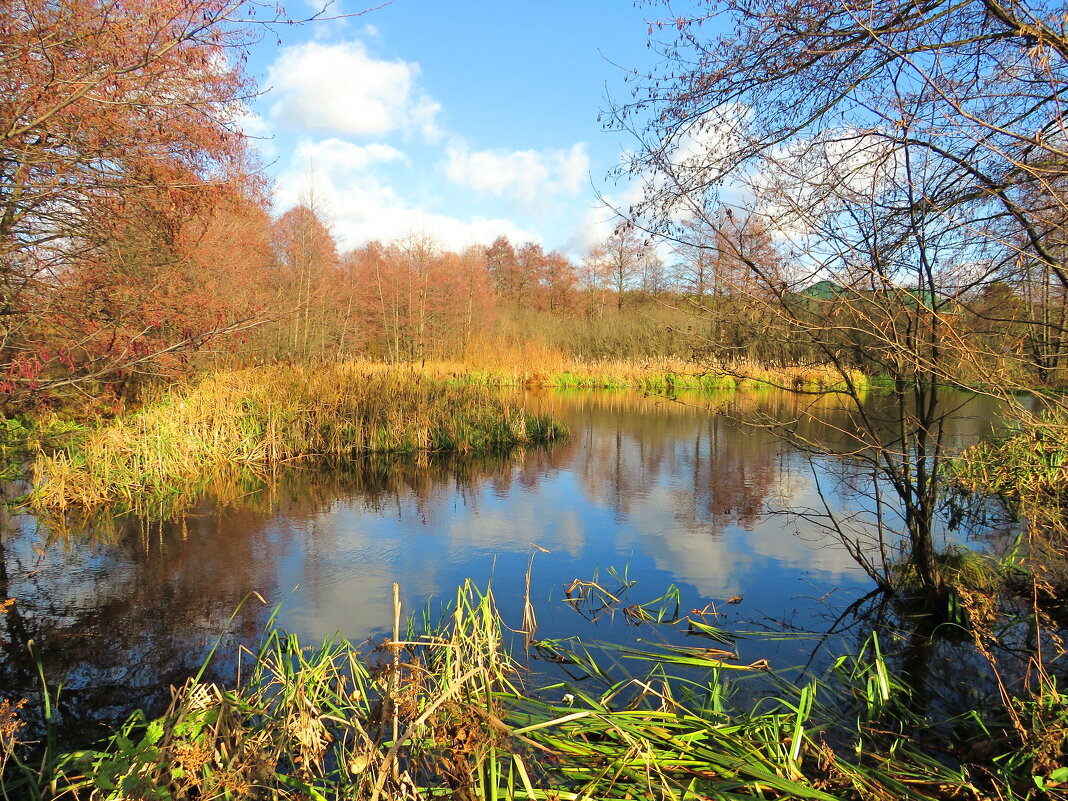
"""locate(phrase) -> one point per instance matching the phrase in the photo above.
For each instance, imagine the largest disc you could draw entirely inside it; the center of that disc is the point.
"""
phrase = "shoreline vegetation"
(256, 417)
(250, 418)
(649, 375)
(443, 709)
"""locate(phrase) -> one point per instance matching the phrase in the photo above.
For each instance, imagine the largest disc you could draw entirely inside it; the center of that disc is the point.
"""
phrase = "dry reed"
(275, 414)
(534, 365)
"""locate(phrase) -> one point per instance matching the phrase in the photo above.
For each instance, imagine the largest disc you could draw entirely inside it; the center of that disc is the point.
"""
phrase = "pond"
(665, 493)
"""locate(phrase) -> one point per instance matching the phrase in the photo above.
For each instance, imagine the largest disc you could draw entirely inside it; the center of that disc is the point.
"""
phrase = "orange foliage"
(121, 173)
(530, 278)
(412, 300)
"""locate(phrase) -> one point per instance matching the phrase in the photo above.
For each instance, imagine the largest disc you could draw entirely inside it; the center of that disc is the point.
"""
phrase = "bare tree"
(695, 254)
(902, 156)
(618, 261)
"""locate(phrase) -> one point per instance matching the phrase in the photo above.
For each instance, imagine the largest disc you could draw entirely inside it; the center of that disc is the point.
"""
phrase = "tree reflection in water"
(121, 609)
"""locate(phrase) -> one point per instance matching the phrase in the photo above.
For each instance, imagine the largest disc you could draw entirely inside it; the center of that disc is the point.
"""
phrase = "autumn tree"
(503, 268)
(528, 282)
(416, 300)
(526, 276)
(418, 254)
(307, 263)
(464, 301)
(378, 299)
(109, 112)
(591, 281)
(560, 282)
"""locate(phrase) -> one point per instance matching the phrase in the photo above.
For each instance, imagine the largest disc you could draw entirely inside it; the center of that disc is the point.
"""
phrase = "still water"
(658, 491)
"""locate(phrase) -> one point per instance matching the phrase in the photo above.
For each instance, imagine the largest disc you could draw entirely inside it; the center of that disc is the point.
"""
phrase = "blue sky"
(464, 119)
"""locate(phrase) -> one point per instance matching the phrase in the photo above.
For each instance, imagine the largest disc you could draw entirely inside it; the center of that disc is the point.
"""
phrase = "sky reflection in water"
(670, 493)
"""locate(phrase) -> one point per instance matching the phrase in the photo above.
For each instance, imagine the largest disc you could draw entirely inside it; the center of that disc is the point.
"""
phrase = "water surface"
(664, 492)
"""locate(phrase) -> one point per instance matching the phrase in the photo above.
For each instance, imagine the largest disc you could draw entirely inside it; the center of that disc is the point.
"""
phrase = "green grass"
(1028, 473)
(442, 710)
(1031, 465)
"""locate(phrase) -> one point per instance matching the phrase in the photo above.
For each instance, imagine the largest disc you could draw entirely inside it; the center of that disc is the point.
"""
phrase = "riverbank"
(268, 415)
(158, 454)
(1027, 472)
(549, 370)
(444, 709)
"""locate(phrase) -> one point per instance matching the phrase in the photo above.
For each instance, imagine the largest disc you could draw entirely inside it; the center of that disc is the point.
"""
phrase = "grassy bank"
(254, 417)
(442, 710)
(543, 368)
(260, 416)
(1028, 473)
(1026, 469)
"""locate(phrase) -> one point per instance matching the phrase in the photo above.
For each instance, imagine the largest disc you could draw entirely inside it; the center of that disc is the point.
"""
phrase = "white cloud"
(453, 233)
(337, 155)
(806, 181)
(252, 124)
(595, 226)
(601, 218)
(341, 89)
(698, 149)
(793, 186)
(361, 206)
(525, 176)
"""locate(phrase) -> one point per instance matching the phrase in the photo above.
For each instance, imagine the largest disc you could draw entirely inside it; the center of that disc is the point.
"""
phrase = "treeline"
(730, 295)
(221, 282)
(136, 240)
(411, 299)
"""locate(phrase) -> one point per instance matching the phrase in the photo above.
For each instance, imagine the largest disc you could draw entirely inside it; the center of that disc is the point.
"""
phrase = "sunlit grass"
(276, 414)
(442, 709)
(1028, 473)
(533, 365)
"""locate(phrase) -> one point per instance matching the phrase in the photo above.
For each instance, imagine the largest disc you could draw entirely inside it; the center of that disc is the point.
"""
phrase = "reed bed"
(1031, 465)
(665, 375)
(267, 415)
(442, 710)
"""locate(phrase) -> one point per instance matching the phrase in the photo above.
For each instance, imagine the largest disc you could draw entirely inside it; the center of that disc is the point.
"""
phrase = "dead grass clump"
(11, 725)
